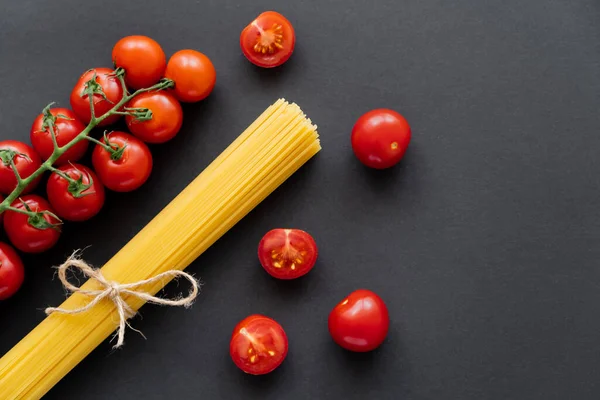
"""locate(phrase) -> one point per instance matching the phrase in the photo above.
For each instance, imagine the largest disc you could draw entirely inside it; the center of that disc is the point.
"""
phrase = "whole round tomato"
(143, 60)
(112, 89)
(12, 272)
(66, 128)
(167, 117)
(78, 200)
(360, 322)
(287, 253)
(269, 40)
(193, 73)
(32, 234)
(258, 345)
(380, 138)
(26, 160)
(127, 166)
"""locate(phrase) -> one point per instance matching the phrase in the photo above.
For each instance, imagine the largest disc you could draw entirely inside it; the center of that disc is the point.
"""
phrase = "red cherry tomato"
(167, 117)
(111, 88)
(66, 128)
(78, 200)
(12, 272)
(31, 234)
(193, 73)
(128, 167)
(287, 253)
(269, 40)
(380, 138)
(142, 58)
(360, 322)
(26, 160)
(258, 345)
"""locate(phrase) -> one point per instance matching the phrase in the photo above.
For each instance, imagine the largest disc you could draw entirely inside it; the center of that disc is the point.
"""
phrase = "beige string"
(114, 291)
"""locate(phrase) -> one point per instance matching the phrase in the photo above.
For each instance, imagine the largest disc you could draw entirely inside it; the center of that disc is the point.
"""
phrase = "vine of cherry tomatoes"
(121, 161)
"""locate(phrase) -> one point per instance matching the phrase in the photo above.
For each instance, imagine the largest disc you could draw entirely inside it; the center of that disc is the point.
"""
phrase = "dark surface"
(484, 242)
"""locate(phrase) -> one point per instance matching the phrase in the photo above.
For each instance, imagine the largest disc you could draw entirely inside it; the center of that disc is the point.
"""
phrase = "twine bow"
(115, 291)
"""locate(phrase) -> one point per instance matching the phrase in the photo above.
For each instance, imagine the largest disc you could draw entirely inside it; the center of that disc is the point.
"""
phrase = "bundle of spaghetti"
(270, 150)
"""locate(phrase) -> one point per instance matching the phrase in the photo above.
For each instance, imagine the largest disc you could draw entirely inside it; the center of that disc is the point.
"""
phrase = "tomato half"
(66, 128)
(26, 160)
(193, 73)
(78, 200)
(112, 90)
(360, 322)
(125, 168)
(12, 272)
(32, 234)
(380, 138)
(287, 253)
(167, 117)
(143, 60)
(258, 345)
(269, 40)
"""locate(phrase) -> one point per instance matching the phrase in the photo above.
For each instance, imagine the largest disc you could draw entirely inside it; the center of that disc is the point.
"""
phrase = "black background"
(484, 242)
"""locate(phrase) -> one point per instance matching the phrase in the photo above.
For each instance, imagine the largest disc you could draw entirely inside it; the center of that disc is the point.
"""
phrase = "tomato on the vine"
(269, 40)
(258, 345)
(12, 272)
(193, 73)
(79, 199)
(66, 128)
(287, 253)
(26, 161)
(142, 58)
(32, 234)
(127, 166)
(360, 322)
(111, 87)
(380, 138)
(167, 117)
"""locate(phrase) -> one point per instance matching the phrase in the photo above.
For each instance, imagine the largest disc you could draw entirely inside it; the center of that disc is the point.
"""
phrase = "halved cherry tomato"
(78, 200)
(66, 128)
(269, 40)
(380, 138)
(12, 272)
(143, 60)
(258, 345)
(193, 73)
(167, 117)
(360, 322)
(287, 253)
(32, 234)
(112, 89)
(25, 159)
(127, 166)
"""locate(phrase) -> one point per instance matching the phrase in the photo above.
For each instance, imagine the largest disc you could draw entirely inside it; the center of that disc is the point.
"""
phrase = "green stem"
(47, 165)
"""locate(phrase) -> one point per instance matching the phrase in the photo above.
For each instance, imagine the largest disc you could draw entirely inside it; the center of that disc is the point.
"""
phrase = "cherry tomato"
(32, 234)
(142, 58)
(78, 200)
(258, 345)
(66, 127)
(26, 160)
(12, 272)
(112, 90)
(167, 117)
(380, 138)
(127, 167)
(269, 40)
(194, 75)
(287, 253)
(360, 322)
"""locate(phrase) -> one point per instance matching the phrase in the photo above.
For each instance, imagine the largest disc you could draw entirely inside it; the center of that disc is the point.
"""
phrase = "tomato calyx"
(76, 187)
(116, 151)
(92, 87)
(36, 218)
(8, 157)
(49, 120)
(139, 114)
(269, 40)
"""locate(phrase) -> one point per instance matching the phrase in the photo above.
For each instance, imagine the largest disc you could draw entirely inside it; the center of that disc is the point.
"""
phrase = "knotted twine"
(114, 291)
